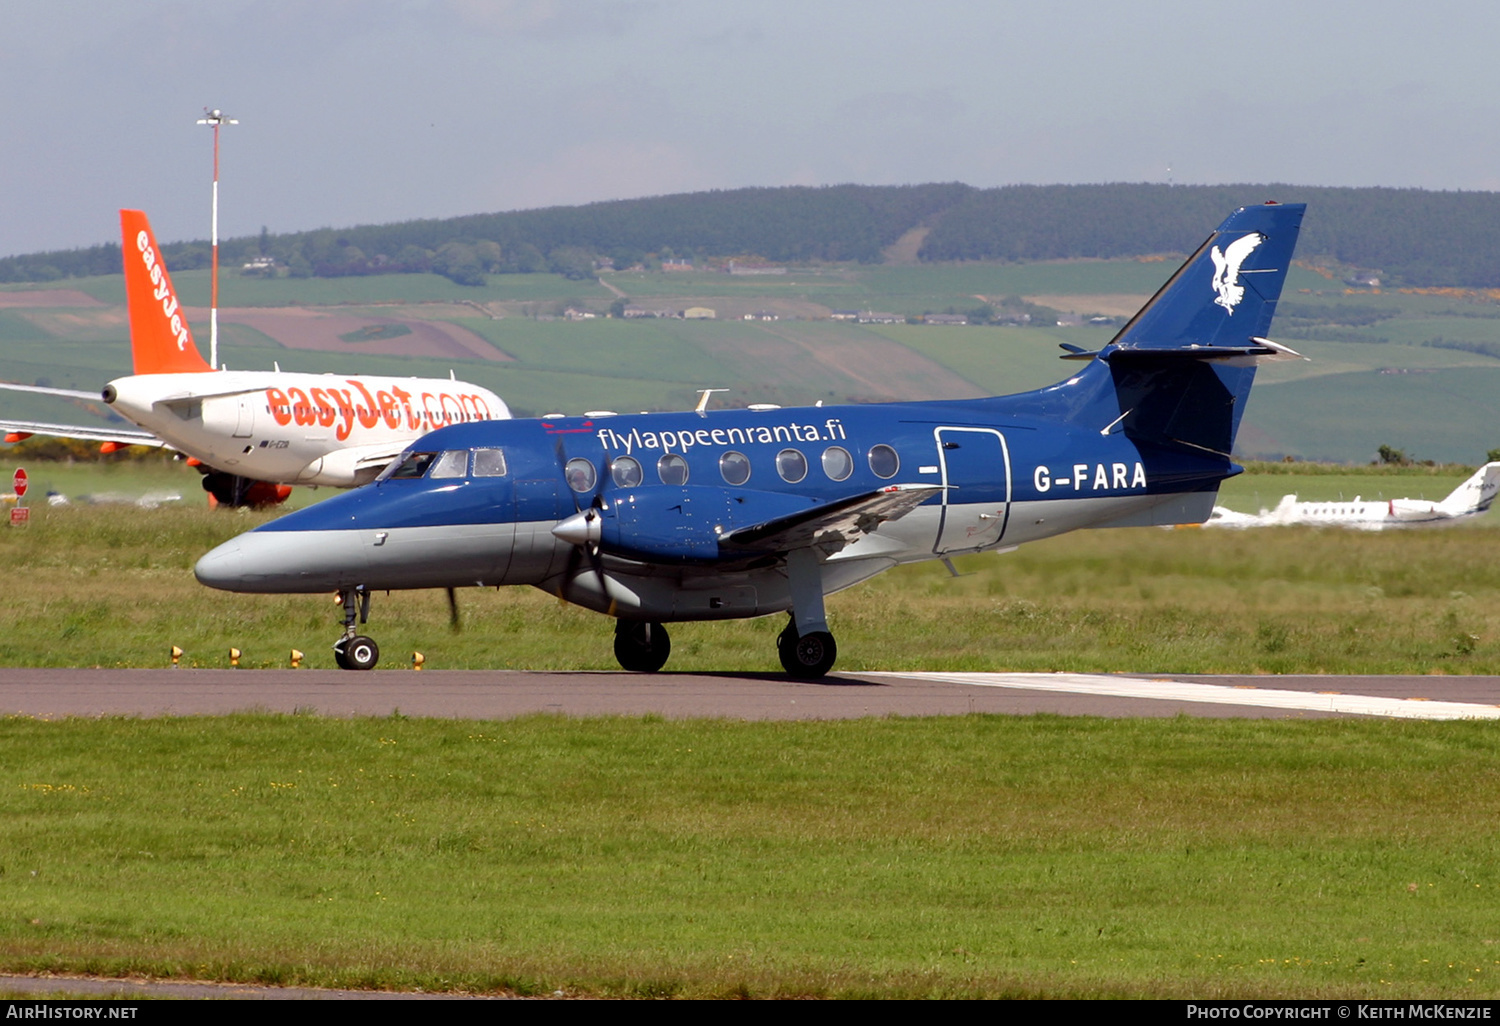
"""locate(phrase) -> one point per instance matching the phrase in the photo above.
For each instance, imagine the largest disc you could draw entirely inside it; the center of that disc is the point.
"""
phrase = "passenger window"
(884, 461)
(837, 463)
(453, 463)
(791, 465)
(672, 469)
(626, 471)
(581, 475)
(489, 463)
(415, 465)
(735, 466)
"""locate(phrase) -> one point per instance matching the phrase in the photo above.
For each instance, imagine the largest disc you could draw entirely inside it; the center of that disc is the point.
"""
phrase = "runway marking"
(1183, 691)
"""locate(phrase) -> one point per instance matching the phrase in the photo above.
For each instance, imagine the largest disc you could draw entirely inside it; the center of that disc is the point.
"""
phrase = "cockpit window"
(414, 465)
(453, 463)
(489, 463)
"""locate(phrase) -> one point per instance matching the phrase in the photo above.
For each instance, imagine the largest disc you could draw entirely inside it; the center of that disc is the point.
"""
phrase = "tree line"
(1409, 236)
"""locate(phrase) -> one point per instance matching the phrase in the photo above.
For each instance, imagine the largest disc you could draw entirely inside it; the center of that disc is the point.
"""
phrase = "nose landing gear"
(354, 651)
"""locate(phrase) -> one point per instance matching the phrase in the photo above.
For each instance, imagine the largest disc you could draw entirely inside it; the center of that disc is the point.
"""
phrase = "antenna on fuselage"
(703, 394)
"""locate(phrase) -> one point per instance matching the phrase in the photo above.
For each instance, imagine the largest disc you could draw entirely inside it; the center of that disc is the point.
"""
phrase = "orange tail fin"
(160, 340)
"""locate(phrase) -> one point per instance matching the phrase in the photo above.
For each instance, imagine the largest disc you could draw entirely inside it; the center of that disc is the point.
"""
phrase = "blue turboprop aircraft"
(710, 515)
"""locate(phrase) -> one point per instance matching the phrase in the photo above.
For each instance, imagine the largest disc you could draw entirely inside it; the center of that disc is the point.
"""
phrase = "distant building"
(735, 267)
(698, 313)
(876, 317)
(646, 311)
(572, 314)
(676, 265)
(945, 319)
(845, 315)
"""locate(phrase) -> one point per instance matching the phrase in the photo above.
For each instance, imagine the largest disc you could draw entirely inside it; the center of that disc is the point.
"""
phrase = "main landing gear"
(233, 492)
(354, 651)
(806, 646)
(807, 656)
(641, 646)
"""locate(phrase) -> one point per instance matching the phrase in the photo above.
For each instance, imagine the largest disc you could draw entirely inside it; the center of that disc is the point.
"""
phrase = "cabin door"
(975, 464)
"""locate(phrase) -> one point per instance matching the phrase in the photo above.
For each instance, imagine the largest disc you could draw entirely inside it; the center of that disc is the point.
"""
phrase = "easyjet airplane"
(253, 433)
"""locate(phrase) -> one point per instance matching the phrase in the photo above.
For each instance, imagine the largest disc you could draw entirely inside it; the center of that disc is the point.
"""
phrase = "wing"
(24, 428)
(833, 524)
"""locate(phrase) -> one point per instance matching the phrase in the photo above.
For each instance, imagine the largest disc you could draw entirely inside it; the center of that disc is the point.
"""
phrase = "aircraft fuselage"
(316, 429)
(1002, 477)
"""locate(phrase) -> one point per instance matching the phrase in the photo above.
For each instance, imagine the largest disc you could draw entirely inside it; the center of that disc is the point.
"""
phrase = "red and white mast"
(215, 118)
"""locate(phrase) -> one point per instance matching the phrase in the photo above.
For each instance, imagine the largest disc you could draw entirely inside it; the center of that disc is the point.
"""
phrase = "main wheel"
(357, 653)
(810, 656)
(788, 636)
(641, 647)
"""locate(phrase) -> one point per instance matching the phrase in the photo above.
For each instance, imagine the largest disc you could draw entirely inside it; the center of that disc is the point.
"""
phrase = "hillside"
(1405, 236)
(1412, 369)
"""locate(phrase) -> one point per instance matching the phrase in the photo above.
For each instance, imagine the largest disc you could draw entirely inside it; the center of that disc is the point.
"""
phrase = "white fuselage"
(1359, 514)
(315, 429)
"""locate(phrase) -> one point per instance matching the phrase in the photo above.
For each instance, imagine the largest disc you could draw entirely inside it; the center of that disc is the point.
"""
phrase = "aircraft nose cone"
(286, 562)
(223, 567)
(582, 528)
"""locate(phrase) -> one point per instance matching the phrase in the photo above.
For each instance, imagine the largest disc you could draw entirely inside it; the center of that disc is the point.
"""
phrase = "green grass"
(964, 856)
(1443, 414)
(112, 586)
(949, 857)
(999, 361)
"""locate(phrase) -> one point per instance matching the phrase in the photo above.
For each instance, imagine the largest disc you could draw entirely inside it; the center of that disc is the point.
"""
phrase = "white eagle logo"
(1227, 269)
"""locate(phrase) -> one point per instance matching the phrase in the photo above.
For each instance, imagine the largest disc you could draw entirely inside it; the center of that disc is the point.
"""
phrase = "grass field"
(953, 857)
(950, 857)
(112, 586)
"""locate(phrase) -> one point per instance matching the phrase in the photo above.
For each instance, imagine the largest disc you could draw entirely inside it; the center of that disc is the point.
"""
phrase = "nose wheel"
(640, 646)
(354, 651)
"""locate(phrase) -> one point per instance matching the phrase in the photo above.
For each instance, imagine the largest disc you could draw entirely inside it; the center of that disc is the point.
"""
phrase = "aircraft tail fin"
(160, 340)
(1226, 292)
(1180, 371)
(1476, 494)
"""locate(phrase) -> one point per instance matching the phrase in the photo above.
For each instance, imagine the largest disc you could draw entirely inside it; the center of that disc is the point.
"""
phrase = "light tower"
(215, 118)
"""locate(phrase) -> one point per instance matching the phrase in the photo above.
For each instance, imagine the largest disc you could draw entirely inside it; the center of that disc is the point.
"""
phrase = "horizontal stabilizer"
(841, 521)
(1262, 350)
(68, 393)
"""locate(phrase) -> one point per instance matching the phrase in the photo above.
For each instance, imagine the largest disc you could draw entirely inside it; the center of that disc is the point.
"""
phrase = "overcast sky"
(369, 111)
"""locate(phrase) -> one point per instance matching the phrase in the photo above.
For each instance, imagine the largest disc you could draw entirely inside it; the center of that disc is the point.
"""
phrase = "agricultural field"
(1414, 370)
